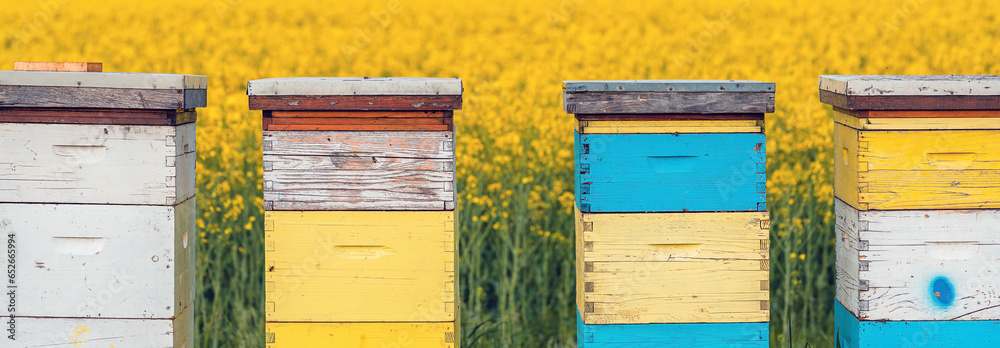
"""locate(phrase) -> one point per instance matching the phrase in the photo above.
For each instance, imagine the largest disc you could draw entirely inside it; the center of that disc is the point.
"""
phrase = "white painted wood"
(889, 85)
(102, 80)
(355, 86)
(97, 333)
(102, 261)
(902, 253)
(847, 255)
(680, 86)
(104, 164)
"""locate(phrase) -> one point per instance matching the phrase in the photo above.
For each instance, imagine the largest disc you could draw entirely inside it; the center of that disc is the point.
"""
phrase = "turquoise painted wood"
(701, 335)
(852, 333)
(670, 172)
(720, 86)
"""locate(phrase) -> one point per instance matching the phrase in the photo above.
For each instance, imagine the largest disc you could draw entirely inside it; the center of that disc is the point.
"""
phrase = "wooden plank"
(911, 102)
(929, 85)
(358, 124)
(360, 266)
(358, 114)
(102, 261)
(356, 102)
(106, 116)
(670, 173)
(949, 114)
(351, 335)
(847, 168)
(667, 117)
(59, 66)
(667, 102)
(924, 265)
(102, 164)
(852, 333)
(99, 333)
(954, 169)
(379, 86)
(103, 80)
(100, 98)
(848, 260)
(674, 268)
(342, 170)
(677, 86)
(686, 126)
(992, 123)
(696, 335)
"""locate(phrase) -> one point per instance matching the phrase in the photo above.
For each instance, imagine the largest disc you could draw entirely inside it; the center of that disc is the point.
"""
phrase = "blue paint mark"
(942, 291)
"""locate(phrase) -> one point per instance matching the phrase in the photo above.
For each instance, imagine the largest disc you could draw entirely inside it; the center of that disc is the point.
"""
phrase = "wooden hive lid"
(101, 90)
(652, 97)
(911, 92)
(355, 93)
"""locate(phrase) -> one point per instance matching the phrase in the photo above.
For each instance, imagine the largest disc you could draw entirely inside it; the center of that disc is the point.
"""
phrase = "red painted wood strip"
(356, 102)
(97, 117)
(358, 121)
(357, 127)
(919, 113)
(357, 114)
(900, 103)
(667, 117)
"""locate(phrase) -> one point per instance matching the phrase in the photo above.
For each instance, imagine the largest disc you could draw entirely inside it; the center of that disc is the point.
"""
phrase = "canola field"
(514, 141)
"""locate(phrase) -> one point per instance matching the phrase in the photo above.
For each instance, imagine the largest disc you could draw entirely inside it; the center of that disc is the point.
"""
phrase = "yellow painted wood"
(673, 267)
(361, 335)
(921, 123)
(948, 169)
(360, 266)
(672, 126)
(846, 167)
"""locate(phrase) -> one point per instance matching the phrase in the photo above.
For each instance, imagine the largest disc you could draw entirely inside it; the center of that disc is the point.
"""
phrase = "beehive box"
(917, 225)
(359, 197)
(671, 223)
(97, 189)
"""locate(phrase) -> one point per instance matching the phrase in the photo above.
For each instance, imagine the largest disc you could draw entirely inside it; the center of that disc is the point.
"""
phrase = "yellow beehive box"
(355, 335)
(672, 267)
(360, 266)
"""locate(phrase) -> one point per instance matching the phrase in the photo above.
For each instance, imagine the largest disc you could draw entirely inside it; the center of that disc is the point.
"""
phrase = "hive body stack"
(359, 211)
(671, 225)
(918, 209)
(97, 187)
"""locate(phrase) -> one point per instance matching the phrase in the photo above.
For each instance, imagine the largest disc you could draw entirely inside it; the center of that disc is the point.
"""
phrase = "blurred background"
(514, 141)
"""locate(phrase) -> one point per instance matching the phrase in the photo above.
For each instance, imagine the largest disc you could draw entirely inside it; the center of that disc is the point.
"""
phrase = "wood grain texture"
(852, 333)
(698, 335)
(925, 123)
(673, 126)
(670, 172)
(360, 266)
(355, 86)
(101, 333)
(920, 264)
(103, 80)
(674, 268)
(99, 116)
(58, 66)
(100, 98)
(103, 261)
(102, 164)
(342, 170)
(359, 124)
(667, 117)
(352, 335)
(954, 169)
(950, 114)
(356, 102)
(667, 102)
(677, 86)
(911, 102)
(357, 114)
(931, 85)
